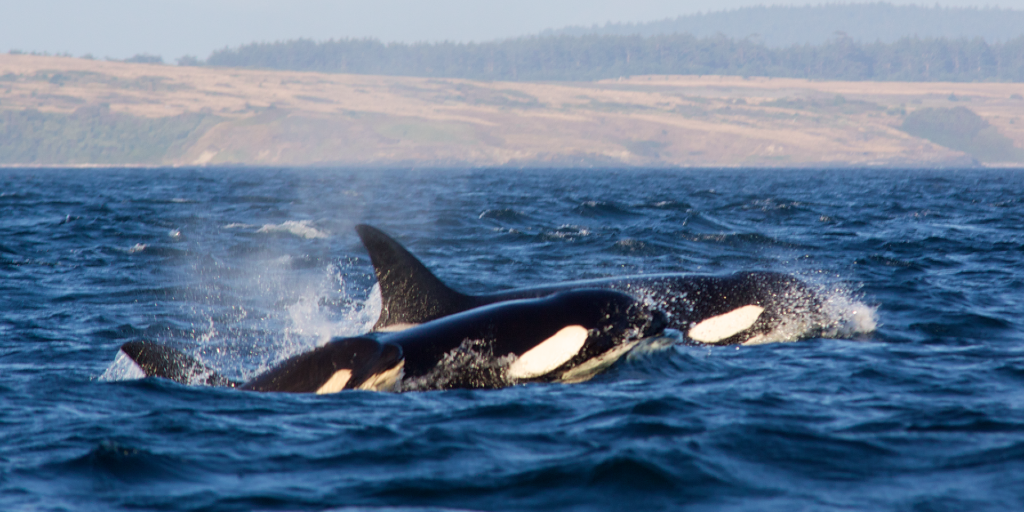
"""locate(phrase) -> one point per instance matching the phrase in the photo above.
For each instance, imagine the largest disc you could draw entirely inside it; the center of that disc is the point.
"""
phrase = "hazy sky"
(173, 28)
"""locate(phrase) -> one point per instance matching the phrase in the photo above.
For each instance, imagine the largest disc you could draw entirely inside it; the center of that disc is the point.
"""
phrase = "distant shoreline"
(539, 167)
(58, 110)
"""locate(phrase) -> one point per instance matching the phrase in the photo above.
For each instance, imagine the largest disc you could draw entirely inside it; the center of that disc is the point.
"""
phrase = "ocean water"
(913, 400)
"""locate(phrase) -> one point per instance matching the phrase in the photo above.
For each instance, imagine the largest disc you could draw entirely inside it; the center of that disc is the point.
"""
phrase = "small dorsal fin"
(162, 361)
(410, 293)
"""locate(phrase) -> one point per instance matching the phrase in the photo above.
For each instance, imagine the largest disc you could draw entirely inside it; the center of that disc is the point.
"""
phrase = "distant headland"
(57, 111)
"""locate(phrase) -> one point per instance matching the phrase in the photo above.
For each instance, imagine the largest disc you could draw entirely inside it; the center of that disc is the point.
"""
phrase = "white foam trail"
(300, 228)
(310, 324)
(849, 317)
(840, 315)
(569, 232)
(307, 318)
(316, 308)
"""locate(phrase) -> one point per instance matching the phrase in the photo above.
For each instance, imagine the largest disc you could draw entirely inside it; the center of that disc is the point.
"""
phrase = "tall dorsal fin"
(410, 293)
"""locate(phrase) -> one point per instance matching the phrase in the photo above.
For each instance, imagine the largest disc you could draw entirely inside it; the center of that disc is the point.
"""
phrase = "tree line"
(784, 25)
(593, 57)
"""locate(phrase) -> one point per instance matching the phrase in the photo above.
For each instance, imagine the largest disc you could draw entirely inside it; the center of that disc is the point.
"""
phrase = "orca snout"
(657, 322)
(638, 317)
(625, 317)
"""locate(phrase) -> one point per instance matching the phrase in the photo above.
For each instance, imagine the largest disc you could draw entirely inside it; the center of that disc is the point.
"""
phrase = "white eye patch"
(336, 383)
(549, 354)
(718, 328)
(387, 380)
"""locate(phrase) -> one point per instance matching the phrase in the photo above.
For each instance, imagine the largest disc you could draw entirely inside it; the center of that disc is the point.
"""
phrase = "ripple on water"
(913, 405)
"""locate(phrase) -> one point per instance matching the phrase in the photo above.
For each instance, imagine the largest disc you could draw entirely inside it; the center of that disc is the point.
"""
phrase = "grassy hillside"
(58, 111)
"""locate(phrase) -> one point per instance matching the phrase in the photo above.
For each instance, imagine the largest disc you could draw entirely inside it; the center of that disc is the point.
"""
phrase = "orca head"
(617, 314)
(343, 363)
(610, 325)
(523, 340)
(753, 308)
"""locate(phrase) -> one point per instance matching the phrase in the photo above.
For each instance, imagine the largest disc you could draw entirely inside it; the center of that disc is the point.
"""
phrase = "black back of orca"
(411, 294)
(344, 363)
(349, 362)
(585, 323)
(541, 339)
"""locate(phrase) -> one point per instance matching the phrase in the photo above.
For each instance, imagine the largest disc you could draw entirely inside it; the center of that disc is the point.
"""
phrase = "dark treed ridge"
(594, 57)
(779, 26)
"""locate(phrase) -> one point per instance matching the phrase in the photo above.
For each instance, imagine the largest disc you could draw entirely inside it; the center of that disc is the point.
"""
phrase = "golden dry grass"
(292, 118)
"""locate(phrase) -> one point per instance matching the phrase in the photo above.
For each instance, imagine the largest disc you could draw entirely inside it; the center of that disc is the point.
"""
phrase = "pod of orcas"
(567, 337)
(429, 335)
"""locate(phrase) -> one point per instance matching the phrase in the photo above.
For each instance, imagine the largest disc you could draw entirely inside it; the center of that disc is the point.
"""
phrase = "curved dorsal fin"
(410, 293)
(157, 360)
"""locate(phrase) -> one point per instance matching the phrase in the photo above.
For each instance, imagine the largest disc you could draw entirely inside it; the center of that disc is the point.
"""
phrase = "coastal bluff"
(62, 111)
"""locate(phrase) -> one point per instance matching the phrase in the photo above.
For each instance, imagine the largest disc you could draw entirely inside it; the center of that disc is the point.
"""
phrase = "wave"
(301, 228)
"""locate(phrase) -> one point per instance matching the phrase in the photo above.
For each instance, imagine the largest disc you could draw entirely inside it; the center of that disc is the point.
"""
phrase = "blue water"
(915, 401)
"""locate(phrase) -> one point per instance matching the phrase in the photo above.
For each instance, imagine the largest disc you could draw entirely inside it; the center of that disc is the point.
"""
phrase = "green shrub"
(961, 129)
(95, 135)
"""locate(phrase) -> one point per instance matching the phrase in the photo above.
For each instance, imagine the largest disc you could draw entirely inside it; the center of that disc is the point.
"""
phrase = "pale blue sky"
(172, 28)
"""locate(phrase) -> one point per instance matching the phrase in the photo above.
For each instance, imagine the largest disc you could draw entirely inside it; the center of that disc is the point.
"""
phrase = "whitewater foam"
(300, 228)
(312, 311)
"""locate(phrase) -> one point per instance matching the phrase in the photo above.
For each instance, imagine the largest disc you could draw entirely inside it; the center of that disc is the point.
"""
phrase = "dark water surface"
(916, 403)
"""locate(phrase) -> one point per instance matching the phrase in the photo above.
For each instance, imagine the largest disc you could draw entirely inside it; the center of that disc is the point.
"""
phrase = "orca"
(358, 360)
(742, 308)
(567, 337)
